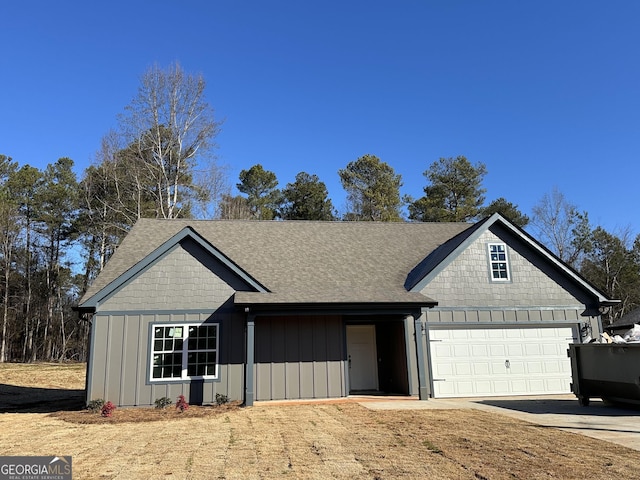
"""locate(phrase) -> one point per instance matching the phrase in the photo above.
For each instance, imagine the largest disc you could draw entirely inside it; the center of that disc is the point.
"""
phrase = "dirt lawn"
(337, 440)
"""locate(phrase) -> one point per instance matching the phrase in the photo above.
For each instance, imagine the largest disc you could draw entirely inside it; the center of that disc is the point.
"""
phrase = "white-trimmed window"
(184, 351)
(498, 262)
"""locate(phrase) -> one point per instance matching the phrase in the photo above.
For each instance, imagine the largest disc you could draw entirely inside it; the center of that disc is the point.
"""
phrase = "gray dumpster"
(606, 370)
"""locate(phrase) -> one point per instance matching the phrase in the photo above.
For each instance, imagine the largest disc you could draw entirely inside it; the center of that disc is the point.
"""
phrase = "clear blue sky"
(545, 93)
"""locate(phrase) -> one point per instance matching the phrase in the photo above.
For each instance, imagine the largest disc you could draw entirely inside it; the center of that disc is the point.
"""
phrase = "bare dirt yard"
(309, 441)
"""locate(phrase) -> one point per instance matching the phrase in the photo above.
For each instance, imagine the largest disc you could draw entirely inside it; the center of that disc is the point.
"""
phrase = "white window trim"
(506, 262)
(185, 352)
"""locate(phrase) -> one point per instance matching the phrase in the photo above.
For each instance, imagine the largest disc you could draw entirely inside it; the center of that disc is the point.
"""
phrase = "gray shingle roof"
(301, 261)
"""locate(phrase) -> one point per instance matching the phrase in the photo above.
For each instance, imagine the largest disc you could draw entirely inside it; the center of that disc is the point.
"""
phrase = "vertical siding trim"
(123, 355)
(408, 327)
(107, 362)
(250, 342)
(90, 360)
(140, 361)
(327, 375)
(423, 388)
(299, 360)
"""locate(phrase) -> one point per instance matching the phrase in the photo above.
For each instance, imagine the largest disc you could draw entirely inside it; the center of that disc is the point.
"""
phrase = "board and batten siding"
(299, 357)
(186, 285)
(510, 316)
(120, 366)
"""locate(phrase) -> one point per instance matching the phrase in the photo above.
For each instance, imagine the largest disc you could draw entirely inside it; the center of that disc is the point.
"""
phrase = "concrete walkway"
(613, 424)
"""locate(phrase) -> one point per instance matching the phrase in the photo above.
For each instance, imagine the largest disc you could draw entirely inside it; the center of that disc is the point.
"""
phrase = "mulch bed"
(145, 414)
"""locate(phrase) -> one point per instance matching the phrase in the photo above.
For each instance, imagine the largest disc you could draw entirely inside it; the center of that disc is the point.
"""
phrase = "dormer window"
(498, 262)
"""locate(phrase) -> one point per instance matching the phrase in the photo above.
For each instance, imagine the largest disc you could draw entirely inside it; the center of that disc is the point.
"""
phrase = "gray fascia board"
(496, 217)
(347, 309)
(92, 303)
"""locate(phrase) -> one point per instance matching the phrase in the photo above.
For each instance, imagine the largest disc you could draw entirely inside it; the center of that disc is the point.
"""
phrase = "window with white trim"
(184, 351)
(499, 263)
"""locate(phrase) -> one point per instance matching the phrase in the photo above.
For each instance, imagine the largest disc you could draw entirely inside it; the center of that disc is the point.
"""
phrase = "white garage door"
(500, 361)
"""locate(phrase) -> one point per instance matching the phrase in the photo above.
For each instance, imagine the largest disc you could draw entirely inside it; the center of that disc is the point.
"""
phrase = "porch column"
(423, 386)
(250, 361)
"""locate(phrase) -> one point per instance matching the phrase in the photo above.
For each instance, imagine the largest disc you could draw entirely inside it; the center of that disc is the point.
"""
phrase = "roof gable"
(431, 266)
(101, 291)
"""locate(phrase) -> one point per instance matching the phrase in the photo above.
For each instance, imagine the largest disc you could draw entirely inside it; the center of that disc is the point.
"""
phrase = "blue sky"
(545, 93)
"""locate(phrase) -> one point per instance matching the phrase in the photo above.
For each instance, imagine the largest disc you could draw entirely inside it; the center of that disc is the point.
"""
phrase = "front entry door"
(362, 357)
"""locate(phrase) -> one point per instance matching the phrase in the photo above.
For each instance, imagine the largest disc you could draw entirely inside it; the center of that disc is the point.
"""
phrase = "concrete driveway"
(613, 424)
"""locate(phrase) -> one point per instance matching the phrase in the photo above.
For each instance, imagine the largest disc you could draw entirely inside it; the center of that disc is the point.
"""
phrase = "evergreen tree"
(454, 194)
(306, 199)
(508, 210)
(263, 198)
(373, 190)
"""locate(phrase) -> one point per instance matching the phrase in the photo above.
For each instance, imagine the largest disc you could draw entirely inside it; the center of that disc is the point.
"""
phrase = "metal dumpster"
(606, 370)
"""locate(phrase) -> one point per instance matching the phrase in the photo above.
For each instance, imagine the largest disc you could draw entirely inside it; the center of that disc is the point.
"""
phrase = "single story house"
(256, 310)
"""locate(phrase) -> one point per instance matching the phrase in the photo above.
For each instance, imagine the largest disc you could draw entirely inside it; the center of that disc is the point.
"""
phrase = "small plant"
(181, 404)
(221, 399)
(95, 405)
(163, 402)
(432, 447)
(107, 409)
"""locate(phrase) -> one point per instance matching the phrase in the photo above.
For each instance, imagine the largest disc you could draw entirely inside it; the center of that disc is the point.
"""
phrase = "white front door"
(362, 361)
(476, 362)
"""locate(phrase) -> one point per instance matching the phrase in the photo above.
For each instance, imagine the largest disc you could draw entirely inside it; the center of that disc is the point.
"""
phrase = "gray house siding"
(187, 278)
(465, 282)
(504, 316)
(185, 286)
(119, 370)
(300, 357)
(534, 294)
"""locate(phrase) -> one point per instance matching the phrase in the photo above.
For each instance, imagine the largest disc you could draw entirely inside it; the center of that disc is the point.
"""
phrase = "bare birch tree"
(170, 130)
(561, 226)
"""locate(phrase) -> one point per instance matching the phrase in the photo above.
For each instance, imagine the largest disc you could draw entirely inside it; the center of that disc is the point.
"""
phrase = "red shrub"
(182, 404)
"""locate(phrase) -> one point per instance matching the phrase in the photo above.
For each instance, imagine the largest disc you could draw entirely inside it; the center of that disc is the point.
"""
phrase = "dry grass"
(309, 441)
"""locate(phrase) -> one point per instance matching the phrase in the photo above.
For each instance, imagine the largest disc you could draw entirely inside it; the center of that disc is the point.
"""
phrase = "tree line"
(57, 231)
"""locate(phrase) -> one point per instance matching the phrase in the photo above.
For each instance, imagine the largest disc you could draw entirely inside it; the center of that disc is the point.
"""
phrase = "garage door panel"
(553, 384)
(443, 350)
(465, 387)
(443, 370)
(461, 350)
(515, 350)
(447, 389)
(497, 350)
(479, 350)
(463, 369)
(498, 368)
(551, 367)
(519, 387)
(500, 361)
(517, 368)
(532, 349)
(483, 388)
(535, 367)
(481, 368)
(550, 349)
